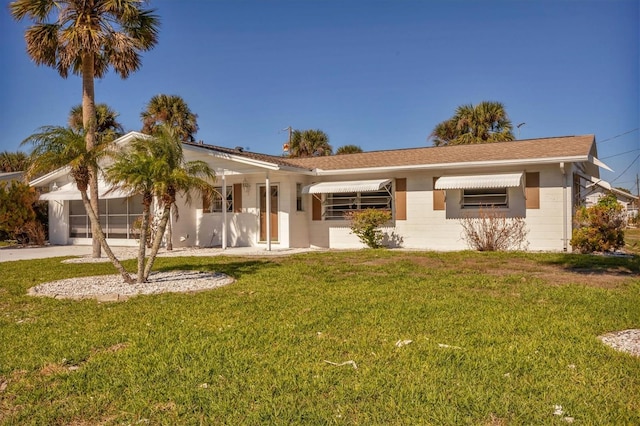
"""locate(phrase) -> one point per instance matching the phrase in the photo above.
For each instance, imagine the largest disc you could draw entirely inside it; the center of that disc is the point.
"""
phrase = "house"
(279, 202)
(599, 188)
(10, 176)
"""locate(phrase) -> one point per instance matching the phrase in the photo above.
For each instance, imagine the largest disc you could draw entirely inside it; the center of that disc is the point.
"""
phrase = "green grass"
(254, 352)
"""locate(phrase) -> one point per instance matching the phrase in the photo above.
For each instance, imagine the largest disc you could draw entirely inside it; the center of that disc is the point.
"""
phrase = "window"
(299, 205)
(485, 197)
(214, 203)
(117, 217)
(337, 204)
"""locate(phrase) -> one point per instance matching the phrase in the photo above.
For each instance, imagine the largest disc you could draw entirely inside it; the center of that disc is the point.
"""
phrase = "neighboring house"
(428, 190)
(599, 188)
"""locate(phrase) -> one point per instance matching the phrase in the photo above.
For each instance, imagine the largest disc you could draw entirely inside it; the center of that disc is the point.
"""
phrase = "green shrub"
(366, 223)
(18, 216)
(599, 227)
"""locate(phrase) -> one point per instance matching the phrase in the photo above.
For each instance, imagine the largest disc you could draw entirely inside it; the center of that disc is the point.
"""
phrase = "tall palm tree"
(13, 161)
(485, 122)
(171, 110)
(348, 149)
(55, 147)
(159, 168)
(108, 128)
(87, 38)
(309, 143)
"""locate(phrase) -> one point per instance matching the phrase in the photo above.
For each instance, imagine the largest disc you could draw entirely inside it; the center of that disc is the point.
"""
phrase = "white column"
(268, 208)
(224, 211)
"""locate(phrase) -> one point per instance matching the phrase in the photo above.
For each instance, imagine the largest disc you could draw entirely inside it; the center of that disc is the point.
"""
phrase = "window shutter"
(401, 199)
(206, 203)
(532, 190)
(316, 208)
(237, 198)
(438, 196)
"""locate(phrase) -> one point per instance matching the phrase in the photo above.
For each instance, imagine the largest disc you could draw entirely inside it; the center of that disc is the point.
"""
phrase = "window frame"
(215, 201)
(133, 212)
(483, 195)
(336, 204)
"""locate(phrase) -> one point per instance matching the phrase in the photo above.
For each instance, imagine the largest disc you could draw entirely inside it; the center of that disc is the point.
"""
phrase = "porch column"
(267, 197)
(224, 210)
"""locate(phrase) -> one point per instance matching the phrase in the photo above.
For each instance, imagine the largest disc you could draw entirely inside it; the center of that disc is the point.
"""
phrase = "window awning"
(503, 180)
(346, 186)
(70, 192)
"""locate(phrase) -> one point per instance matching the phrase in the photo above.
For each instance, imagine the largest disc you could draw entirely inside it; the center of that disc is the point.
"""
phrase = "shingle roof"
(530, 149)
(559, 147)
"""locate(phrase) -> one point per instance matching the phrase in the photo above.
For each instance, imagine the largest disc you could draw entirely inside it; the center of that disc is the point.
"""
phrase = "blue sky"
(379, 74)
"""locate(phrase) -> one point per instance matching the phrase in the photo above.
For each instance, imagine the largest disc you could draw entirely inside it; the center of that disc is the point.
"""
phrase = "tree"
(55, 147)
(171, 110)
(600, 227)
(349, 149)
(107, 125)
(87, 38)
(483, 123)
(309, 143)
(18, 216)
(158, 168)
(13, 161)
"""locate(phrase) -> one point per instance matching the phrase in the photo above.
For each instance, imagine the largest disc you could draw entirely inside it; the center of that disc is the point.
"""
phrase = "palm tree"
(55, 147)
(13, 161)
(107, 125)
(349, 149)
(486, 122)
(87, 38)
(171, 110)
(309, 143)
(159, 168)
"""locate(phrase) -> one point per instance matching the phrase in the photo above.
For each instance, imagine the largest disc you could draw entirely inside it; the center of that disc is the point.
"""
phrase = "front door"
(273, 216)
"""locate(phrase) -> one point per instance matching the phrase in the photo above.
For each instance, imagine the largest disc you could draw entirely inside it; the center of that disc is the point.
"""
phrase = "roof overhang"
(503, 180)
(70, 192)
(346, 186)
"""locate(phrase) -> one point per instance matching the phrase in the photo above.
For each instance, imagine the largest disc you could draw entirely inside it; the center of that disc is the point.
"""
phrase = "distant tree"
(173, 111)
(349, 149)
(108, 128)
(87, 38)
(13, 161)
(486, 122)
(309, 143)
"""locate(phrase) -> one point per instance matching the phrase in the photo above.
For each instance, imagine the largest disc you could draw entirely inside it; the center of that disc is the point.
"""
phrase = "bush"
(600, 227)
(365, 224)
(18, 217)
(493, 231)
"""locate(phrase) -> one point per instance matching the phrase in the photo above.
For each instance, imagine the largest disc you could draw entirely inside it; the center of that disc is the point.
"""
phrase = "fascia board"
(459, 165)
(45, 179)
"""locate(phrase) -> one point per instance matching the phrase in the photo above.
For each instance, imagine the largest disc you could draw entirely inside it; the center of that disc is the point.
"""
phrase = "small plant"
(493, 231)
(366, 223)
(599, 227)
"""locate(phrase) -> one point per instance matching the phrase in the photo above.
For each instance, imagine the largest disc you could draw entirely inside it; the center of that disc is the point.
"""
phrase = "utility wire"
(617, 136)
(625, 170)
(618, 155)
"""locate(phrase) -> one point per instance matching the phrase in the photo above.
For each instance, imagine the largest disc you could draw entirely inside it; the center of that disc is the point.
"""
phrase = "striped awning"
(503, 180)
(346, 186)
(70, 192)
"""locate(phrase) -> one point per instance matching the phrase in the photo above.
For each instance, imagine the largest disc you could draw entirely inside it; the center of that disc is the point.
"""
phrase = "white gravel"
(113, 288)
(625, 341)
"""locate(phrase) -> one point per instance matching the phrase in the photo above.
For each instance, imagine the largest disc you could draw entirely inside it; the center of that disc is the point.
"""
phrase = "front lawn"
(496, 339)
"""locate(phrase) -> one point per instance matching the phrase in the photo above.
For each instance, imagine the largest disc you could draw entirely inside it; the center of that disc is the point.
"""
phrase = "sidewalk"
(84, 252)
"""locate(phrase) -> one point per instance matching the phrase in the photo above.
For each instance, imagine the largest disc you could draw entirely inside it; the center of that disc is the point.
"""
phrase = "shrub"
(599, 227)
(18, 218)
(365, 224)
(493, 231)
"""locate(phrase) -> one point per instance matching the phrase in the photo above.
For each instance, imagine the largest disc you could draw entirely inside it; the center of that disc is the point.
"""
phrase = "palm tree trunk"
(157, 239)
(89, 124)
(170, 230)
(97, 233)
(143, 241)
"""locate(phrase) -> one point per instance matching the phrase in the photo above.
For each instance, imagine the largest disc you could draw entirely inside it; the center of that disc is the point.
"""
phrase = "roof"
(565, 147)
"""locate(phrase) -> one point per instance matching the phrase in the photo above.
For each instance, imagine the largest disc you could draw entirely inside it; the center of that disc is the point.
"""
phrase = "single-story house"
(280, 202)
(10, 176)
(599, 188)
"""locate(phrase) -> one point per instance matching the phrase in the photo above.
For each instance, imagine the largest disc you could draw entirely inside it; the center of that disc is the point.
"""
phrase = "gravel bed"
(625, 341)
(112, 287)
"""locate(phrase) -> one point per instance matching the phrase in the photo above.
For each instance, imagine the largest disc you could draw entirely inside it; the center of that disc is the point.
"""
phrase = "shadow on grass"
(597, 264)
(235, 269)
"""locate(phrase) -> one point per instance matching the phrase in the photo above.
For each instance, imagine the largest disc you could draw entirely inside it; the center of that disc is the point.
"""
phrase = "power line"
(622, 153)
(617, 136)
(625, 170)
